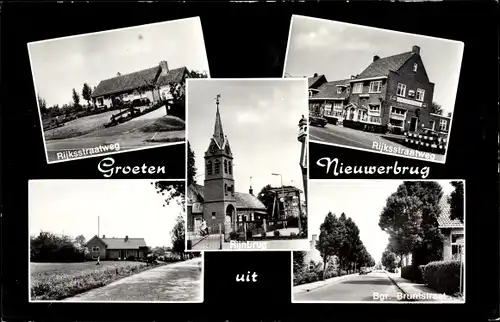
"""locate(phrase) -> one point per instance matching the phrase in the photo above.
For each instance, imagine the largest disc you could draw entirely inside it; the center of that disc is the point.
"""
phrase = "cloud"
(248, 117)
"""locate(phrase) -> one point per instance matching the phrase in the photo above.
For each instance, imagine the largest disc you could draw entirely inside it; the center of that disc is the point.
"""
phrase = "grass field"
(56, 281)
(80, 126)
(164, 124)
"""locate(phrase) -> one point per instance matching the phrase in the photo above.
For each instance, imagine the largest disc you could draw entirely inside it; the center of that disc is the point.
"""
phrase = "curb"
(338, 279)
(396, 284)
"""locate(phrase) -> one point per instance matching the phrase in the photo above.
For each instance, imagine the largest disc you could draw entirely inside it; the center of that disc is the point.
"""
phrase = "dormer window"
(339, 90)
(415, 67)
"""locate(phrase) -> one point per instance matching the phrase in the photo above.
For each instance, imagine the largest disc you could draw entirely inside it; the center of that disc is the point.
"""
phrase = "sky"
(124, 207)
(362, 200)
(260, 119)
(340, 50)
(61, 64)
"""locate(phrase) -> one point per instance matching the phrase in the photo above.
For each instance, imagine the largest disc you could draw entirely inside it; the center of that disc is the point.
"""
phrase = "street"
(347, 137)
(352, 288)
(178, 282)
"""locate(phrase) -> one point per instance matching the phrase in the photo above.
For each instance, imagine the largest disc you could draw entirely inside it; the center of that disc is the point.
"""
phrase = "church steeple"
(218, 131)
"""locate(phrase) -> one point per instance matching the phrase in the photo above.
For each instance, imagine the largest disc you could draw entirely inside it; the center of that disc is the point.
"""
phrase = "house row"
(152, 83)
(391, 93)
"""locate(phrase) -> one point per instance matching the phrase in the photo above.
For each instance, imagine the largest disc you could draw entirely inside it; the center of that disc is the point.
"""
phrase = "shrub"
(276, 233)
(233, 235)
(442, 276)
(331, 274)
(189, 244)
(263, 235)
(342, 272)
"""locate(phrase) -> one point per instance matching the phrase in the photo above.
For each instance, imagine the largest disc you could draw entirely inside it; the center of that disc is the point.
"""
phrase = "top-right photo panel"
(376, 90)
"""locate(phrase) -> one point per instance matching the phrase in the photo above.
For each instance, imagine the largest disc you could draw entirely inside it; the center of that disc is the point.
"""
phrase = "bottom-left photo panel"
(110, 241)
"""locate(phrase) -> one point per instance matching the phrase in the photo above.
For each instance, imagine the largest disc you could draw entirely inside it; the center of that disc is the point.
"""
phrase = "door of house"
(123, 254)
(413, 124)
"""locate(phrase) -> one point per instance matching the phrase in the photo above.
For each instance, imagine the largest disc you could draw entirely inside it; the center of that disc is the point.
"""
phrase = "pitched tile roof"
(383, 66)
(312, 80)
(243, 200)
(120, 243)
(329, 90)
(137, 79)
(444, 220)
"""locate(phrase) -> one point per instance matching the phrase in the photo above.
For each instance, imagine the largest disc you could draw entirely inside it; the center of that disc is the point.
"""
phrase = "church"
(217, 201)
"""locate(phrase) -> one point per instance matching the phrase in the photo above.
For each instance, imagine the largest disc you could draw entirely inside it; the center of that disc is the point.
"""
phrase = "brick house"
(152, 83)
(117, 248)
(392, 92)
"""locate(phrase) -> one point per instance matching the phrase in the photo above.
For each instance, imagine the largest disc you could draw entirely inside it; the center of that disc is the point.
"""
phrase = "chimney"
(449, 114)
(103, 236)
(416, 50)
(118, 74)
(164, 67)
(353, 76)
(126, 238)
(315, 75)
(375, 58)
(250, 191)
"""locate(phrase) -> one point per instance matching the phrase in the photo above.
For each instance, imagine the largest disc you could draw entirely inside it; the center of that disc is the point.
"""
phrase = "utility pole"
(98, 234)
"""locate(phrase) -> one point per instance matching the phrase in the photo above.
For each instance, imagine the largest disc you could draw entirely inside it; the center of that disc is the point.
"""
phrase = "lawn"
(164, 124)
(55, 281)
(80, 126)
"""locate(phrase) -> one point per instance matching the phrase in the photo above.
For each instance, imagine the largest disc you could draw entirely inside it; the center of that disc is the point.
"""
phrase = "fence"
(426, 143)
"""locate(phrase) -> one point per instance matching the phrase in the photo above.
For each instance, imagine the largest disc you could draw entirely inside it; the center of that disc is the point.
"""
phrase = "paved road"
(175, 282)
(127, 135)
(347, 137)
(355, 288)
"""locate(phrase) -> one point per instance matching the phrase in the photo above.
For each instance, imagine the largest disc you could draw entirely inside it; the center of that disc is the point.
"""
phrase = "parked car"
(363, 272)
(317, 121)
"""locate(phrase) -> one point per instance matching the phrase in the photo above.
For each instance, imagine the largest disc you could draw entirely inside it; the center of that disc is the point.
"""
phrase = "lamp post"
(282, 191)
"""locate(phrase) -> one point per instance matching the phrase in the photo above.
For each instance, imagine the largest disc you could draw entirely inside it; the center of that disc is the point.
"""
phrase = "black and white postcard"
(383, 241)
(110, 241)
(376, 90)
(247, 175)
(117, 90)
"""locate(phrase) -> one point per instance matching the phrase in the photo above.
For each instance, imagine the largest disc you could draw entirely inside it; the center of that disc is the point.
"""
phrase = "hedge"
(442, 276)
(305, 277)
(411, 273)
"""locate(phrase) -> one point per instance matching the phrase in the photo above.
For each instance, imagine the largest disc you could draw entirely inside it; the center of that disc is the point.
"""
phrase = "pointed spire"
(218, 132)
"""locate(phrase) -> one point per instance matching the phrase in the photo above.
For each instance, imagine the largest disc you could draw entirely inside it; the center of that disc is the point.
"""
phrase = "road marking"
(153, 136)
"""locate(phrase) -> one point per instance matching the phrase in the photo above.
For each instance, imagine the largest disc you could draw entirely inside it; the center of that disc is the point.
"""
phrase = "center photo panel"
(247, 171)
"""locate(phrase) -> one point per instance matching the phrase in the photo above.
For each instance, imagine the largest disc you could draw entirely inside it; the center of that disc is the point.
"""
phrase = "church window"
(209, 168)
(217, 166)
(232, 191)
(230, 166)
(225, 189)
(213, 215)
(225, 166)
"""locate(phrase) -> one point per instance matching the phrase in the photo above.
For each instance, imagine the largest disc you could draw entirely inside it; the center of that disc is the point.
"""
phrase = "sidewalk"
(314, 285)
(419, 292)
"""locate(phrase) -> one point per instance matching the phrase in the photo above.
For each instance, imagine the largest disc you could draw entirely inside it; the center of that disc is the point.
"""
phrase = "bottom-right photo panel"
(383, 241)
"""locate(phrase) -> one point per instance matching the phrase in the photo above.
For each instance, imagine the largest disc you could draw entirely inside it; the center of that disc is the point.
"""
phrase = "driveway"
(353, 288)
(347, 137)
(178, 282)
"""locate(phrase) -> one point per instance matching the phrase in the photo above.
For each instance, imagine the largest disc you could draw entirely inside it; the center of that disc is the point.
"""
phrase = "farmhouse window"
(415, 67)
(339, 90)
(358, 88)
(401, 90)
(95, 249)
(376, 87)
(374, 109)
(420, 94)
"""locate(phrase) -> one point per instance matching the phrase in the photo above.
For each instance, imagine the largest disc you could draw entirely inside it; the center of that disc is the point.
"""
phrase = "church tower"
(218, 191)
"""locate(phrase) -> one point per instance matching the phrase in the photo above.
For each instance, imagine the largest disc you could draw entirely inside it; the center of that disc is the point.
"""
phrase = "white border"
(197, 18)
(448, 137)
(306, 113)
(202, 278)
(389, 302)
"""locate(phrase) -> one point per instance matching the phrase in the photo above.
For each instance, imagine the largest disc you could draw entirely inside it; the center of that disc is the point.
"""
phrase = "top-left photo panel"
(117, 90)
